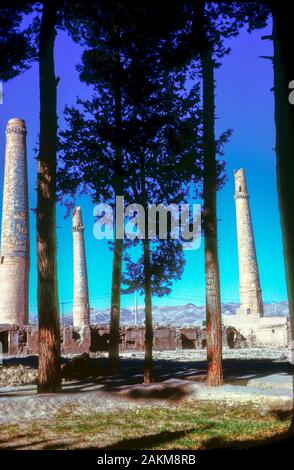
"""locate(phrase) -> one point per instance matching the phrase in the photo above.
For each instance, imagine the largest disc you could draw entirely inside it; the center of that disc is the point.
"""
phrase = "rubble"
(17, 375)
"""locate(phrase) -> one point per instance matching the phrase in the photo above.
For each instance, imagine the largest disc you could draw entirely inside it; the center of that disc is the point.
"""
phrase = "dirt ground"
(266, 383)
(178, 409)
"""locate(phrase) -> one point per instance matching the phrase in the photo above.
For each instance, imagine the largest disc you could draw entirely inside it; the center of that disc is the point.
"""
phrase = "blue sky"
(244, 103)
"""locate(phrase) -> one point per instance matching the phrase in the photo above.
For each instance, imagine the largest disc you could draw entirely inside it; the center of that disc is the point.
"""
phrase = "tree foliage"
(16, 52)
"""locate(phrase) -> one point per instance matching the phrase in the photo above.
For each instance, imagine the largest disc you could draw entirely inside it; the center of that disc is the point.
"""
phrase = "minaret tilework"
(15, 242)
(250, 291)
(81, 309)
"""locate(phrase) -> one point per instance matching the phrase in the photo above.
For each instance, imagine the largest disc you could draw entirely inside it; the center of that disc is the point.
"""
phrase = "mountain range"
(179, 315)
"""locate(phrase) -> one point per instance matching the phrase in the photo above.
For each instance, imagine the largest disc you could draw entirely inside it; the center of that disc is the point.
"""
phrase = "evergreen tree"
(18, 47)
(16, 52)
(283, 40)
(165, 161)
(121, 52)
(49, 376)
(211, 24)
(52, 16)
(105, 67)
(158, 131)
(211, 179)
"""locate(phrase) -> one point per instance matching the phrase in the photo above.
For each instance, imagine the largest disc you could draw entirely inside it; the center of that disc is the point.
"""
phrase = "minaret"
(81, 308)
(250, 291)
(15, 242)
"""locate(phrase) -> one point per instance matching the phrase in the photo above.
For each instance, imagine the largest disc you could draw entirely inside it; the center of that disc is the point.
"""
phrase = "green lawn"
(186, 425)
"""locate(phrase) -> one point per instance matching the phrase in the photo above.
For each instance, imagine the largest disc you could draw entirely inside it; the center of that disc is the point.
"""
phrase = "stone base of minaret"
(260, 331)
(14, 286)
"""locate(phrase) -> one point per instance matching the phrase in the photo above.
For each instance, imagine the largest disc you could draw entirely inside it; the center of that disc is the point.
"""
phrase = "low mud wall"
(95, 338)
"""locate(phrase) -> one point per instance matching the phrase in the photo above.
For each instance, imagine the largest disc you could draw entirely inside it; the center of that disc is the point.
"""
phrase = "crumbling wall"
(32, 339)
(99, 338)
(133, 338)
(233, 339)
(95, 338)
(76, 340)
(202, 338)
(164, 338)
(189, 338)
(9, 339)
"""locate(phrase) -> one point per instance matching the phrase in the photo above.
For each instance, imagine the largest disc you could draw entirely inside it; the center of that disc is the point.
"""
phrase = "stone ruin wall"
(23, 340)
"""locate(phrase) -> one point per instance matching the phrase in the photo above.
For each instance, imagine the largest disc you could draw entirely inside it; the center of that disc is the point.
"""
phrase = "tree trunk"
(283, 39)
(148, 374)
(213, 301)
(49, 377)
(114, 338)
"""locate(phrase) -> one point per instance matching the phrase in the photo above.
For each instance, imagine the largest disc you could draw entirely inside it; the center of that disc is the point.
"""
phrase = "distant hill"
(180, 315)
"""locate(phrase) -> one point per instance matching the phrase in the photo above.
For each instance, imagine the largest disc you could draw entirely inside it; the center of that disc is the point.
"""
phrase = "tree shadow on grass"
(136, 443)
(8, 439)
(168, 437)
(31, 444)
(125, 444)
(279, 440)
(160, 440)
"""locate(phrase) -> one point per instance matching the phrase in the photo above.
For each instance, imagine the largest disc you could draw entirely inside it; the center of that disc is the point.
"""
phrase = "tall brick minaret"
(15, 242)
(250, 291)
(81, 308)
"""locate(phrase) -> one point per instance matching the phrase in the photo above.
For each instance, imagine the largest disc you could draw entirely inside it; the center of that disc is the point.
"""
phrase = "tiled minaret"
(15, 242)
(250, 291)
(81, 308)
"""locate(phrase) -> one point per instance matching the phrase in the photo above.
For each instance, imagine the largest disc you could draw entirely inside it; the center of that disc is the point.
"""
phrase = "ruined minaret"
(250, 291)
(81, 308)
(15, 243)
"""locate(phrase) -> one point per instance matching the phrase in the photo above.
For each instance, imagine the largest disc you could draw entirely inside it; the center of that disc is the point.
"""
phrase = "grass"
(186, 425)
